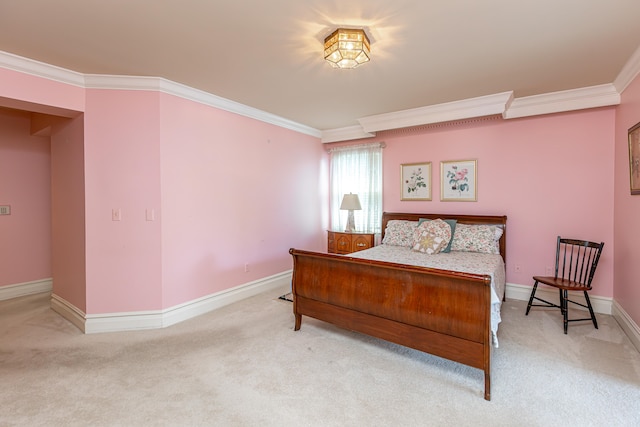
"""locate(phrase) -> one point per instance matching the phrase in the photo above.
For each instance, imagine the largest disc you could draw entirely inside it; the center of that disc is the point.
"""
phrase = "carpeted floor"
(243, 365)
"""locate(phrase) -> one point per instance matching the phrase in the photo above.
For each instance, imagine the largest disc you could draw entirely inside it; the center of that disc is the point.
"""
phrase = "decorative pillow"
(429, 244)
(399, 232)
(431, 236)
(476, 238)
(452, 224)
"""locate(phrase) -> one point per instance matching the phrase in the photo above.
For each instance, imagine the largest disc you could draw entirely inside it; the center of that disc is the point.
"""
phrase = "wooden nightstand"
(344, 243)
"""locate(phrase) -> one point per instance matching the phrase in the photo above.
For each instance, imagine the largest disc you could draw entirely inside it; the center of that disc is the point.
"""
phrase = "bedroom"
(514, 158)
(194, 167)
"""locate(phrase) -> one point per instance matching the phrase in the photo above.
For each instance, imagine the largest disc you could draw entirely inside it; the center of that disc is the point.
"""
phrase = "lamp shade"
(350, 202)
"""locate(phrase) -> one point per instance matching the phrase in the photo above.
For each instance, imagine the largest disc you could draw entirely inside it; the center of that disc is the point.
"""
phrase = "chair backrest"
(576, 260)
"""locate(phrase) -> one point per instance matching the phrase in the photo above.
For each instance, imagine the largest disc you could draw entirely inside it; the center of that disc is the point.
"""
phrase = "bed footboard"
(440, 312)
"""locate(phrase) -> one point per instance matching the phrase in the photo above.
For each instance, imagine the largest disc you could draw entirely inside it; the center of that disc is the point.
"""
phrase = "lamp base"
(351, 223)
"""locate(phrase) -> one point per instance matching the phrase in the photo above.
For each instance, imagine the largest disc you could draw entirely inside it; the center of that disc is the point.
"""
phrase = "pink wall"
(627, 209)
(551, 175)
(224, 190)
(68, 212)
(234, 191)
(228, 190)
(31, 93)
(25, 185)
(122, 171)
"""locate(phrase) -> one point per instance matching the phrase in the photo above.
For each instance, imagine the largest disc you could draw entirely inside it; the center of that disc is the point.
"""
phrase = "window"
(357, 169)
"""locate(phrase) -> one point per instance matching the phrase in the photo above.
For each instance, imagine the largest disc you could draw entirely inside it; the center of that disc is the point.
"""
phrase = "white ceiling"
(267, 54)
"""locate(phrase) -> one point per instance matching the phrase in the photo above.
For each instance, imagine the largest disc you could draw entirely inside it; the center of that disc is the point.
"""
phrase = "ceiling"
(267, 54)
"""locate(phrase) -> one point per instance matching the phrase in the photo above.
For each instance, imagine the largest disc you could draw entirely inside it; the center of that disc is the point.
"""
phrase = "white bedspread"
(468, 262)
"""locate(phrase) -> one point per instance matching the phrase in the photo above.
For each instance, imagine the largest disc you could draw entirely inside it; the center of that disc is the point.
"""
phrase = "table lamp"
(350, 202)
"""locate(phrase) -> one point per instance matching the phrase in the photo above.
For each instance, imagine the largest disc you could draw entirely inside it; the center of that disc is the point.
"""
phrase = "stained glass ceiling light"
(347, 48)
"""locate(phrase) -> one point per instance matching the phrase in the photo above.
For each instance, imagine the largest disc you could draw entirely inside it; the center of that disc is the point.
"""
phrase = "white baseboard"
(627, 324)
(26, 288)
(522, 292)
(68, 311)
(114, 322)
(600, 305)
(156, 319)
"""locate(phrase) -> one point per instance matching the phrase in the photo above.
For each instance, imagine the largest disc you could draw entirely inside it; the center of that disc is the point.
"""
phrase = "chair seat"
(560, 283)
(576, 262)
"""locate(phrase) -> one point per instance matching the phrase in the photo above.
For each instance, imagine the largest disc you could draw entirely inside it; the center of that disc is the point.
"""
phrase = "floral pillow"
(399, 232)
(431, 237)
(476, 238)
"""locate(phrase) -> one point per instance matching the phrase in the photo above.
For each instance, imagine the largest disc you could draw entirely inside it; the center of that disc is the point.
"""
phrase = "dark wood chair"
(576, 262)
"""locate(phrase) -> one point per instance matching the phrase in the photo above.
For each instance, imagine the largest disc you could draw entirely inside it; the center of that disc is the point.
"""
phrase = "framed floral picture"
(415, 179)
(634, 159)
(459, 181)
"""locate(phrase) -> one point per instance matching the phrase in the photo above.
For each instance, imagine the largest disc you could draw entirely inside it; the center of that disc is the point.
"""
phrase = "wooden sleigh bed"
(441, 312)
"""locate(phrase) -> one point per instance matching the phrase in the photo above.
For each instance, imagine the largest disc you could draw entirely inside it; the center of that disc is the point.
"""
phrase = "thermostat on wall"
(5, 210)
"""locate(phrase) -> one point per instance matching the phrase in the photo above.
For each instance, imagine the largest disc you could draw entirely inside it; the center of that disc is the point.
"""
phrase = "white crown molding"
(96, 81)
(501, 103)
(345, 134)
(628, 72)
(449, 111)
(40, 69)
(566, 100)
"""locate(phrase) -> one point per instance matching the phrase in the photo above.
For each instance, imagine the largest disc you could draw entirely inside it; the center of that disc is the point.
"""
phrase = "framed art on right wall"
(634, 159)
(459, 181)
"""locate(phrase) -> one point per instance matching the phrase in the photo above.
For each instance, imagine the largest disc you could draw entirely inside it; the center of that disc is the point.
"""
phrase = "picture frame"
(634, 159)
(415, 181)
(459, 181)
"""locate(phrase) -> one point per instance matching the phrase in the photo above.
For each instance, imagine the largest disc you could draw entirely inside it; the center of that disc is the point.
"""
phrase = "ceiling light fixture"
(347, 48)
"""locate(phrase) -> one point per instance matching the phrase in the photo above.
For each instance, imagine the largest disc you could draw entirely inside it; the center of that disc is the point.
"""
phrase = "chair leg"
(564, 308)
(533, 293)
(593, 316)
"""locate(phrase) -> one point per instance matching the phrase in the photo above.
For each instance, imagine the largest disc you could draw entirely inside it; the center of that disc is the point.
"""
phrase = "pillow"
(476, 238)
(399, 232)
(452, 224)
(429, 243)
(431, 237)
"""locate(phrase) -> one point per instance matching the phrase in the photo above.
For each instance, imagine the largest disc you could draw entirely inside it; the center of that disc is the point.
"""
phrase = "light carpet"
(243, 365)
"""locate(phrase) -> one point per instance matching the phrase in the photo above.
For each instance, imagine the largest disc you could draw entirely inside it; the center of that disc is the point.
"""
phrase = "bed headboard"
(500, 220)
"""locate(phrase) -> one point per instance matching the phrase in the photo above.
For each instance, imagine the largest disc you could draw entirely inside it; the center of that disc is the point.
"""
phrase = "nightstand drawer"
(360, 242)
(346, 243)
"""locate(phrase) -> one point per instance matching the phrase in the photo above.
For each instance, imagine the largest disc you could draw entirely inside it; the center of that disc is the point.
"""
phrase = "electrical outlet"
(549, 271)
(517, 268)
(246, 267)
(5, 210)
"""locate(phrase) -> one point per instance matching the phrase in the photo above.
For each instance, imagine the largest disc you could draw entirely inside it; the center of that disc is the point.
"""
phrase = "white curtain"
(357, 169)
